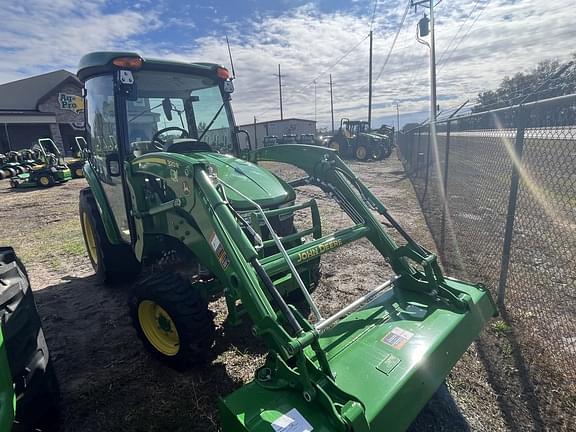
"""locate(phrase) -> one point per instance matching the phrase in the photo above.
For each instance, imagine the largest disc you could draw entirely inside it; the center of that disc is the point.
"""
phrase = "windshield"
(174, 100)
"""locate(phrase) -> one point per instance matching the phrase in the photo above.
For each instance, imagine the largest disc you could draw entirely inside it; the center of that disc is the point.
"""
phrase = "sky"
(478, 42)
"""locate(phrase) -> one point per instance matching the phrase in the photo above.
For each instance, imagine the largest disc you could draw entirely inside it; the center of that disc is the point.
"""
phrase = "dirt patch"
(110, 383)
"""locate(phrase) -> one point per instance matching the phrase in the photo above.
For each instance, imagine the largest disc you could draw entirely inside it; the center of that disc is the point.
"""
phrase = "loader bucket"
(390, 356)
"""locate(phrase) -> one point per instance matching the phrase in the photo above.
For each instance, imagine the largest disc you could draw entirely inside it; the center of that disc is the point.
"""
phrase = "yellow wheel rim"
(158, 327)
(89, 236)
(361, 152)
(79, 172)
(44, 181)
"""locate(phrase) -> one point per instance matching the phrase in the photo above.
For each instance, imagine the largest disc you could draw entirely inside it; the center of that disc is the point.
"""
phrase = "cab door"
(105, 155)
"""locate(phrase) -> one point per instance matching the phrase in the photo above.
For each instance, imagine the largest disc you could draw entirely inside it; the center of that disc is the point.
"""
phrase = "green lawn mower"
(76, 163)
(200, 223)
(11, 165)
(50, 170)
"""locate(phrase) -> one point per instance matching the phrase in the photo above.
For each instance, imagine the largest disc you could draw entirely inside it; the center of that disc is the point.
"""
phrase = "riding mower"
(199, 223)
(76, 163)
(11, 165)
(353, 140)
(50, 171)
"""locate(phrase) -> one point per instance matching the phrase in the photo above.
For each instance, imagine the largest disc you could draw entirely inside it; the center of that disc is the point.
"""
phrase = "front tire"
(361, 152)
(112, 263)
(172, 319)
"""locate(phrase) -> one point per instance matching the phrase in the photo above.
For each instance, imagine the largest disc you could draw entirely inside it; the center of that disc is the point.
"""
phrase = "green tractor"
(354, 141)
(387, 133)
(76, 163)
(200, 223)
(50, 170)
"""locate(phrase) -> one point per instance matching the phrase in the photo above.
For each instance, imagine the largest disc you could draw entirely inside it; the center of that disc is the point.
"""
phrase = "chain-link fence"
(498, 190)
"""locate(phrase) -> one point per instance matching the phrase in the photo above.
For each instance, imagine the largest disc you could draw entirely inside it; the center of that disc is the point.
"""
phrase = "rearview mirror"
(167, 108)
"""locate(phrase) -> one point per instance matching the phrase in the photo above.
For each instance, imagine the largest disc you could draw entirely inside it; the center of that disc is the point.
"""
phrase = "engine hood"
(255, 182)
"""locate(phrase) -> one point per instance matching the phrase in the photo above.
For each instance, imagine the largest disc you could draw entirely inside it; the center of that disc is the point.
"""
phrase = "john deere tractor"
(354, 141)
(170, 198)
(11, 165)
(50, 169)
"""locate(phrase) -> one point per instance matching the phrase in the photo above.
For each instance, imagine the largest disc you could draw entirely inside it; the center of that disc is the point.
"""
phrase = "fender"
(104, 209)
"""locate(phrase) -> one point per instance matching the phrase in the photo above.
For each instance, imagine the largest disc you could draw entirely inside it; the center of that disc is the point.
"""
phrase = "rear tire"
(112, 263)
(45, 181)
(172, 319)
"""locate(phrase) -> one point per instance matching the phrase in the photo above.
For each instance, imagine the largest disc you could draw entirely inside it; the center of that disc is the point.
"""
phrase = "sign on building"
(70, 102)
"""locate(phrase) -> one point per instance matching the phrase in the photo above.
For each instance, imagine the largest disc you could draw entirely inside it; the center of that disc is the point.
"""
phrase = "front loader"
(170, 198)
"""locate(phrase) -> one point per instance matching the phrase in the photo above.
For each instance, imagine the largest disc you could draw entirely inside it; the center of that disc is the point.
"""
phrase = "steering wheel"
(159, 143)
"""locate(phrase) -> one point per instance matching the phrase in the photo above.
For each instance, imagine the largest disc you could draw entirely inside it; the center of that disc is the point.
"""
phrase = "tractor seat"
(187, 145)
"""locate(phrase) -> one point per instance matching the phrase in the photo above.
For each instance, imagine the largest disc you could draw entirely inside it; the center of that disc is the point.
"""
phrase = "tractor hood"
(253, 181)
(250, 179)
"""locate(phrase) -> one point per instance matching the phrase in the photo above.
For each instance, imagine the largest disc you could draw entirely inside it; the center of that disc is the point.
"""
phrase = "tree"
(514, 90)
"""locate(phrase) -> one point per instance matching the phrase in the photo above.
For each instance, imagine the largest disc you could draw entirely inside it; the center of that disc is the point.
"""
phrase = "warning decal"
(219, 250)
(292, 421)
(397, 337)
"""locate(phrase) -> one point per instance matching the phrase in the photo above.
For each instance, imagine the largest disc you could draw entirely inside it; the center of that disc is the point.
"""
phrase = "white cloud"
(39, 35)
(509, 36)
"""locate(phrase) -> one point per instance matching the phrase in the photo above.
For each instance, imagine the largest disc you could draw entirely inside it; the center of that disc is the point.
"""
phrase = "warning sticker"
(292, 421)
(216, 246)
(397, 337)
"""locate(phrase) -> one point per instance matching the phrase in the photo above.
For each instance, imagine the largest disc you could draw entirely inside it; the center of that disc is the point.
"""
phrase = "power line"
(394, 41)
(466, 34)
(453, 39)
(373, 14)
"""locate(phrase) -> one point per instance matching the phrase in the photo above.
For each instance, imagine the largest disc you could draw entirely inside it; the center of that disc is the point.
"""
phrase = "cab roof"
(100, 62)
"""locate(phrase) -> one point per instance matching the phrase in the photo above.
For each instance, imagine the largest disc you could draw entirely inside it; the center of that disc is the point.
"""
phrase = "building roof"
(24, 94)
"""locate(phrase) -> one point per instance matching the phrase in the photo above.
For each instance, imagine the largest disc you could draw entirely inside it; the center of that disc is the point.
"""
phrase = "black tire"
(35, 383)
(361, 152)
(112, 263)
(187, 313)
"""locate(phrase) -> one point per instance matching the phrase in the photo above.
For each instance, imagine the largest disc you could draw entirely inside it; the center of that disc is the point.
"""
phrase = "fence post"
(431, 128)
(445, 187)
(512, 201)
(417, 169)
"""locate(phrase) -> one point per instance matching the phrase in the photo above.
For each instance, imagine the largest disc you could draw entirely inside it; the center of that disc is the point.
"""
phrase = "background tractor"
(170, 198)
(354, 141)
(50, 169)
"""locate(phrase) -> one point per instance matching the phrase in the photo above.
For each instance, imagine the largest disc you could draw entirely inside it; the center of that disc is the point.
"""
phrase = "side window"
(101, 121)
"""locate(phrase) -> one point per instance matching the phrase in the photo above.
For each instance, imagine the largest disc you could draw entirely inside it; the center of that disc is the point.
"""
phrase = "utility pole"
(315, 111)
(255, 134)
(332, 104)
(280, 90)
(425, 27)
(370, 86)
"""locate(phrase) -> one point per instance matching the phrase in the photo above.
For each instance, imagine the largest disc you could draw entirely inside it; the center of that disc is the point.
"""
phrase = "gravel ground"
(109, 383)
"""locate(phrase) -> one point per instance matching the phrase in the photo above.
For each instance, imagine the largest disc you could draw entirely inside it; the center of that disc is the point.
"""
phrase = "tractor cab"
(164, 118)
